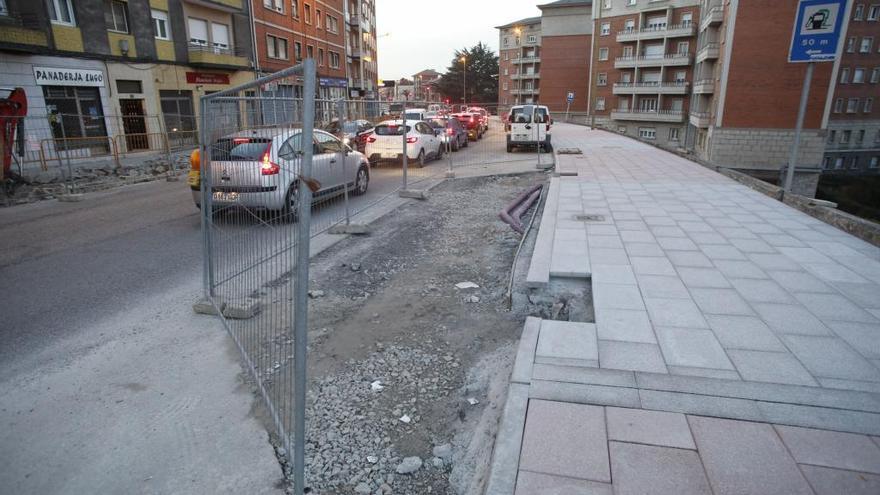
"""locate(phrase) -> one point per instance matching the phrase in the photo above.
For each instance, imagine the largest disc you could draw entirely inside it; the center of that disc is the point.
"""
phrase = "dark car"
(354, 132)
(454, 135)
(472, 122)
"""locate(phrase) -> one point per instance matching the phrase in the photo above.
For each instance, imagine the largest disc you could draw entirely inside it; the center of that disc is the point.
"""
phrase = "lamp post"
(464, 80)
(519, 69)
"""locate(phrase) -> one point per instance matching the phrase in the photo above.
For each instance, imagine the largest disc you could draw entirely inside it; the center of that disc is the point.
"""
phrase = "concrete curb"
(525, 353)
(505, 456)
(539, 267)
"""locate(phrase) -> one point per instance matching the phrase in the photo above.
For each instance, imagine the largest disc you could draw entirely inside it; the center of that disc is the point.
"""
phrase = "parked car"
(516, 109)
(261, 168)
(471, 122)
(353, 132)
(416, 114)
(484, 116)
(529, 126)
(386, 142)
(453, 134)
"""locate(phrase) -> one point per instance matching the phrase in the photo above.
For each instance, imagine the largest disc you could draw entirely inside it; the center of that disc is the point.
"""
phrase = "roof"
(427, 72)
(521, 22)
(566, 3)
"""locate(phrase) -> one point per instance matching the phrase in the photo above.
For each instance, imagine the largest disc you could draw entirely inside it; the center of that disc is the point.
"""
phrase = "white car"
(528, 126)
(260, 169)
(416, 114)
(423, 142)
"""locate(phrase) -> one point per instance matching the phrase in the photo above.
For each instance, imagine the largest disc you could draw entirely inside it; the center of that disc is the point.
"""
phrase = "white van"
(528, 126)
(416, 114)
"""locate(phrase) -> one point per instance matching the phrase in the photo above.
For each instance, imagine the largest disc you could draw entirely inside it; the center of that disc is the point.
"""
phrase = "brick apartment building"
(519, 61)
(338, 34)
(425, 85)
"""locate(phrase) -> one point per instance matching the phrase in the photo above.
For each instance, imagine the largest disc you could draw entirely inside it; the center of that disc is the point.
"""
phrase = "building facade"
(519, 62)
(425, 85)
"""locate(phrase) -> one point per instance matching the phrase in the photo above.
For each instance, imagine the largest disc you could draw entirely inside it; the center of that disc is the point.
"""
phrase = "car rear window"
(239, 149)
(438, 123)
(390, 130)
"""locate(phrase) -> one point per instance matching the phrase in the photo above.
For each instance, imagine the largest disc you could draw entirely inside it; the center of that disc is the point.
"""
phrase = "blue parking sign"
(817, 28)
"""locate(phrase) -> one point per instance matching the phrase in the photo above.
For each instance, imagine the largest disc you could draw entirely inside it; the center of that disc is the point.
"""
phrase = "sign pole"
(805, 94)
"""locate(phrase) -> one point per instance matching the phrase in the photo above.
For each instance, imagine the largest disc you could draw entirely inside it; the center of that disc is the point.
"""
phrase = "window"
(294, 8)
(647, 133)
(504, 86)
(838, 105)
(506, 71)
(854, 163)
(334, 60)
(276, 5)
(869, 104)
(631, 2)
(851, 44)
(321, 57)
(673, 133)
(844, 75)
(844, 137)
(680, 76)
(276, 47)
(838, 163)
(858, 75)
(627, 51)
(873, 12)
(129, 86)
(308, 13)
(310, 51)
(875, 160)
(683, 47)
(517, 41)
(826, 163)
(656, 22)
(867, 43)
(532, 38)
(600, 103)
(61, 12)
(875, 75)
(160, 25)
(603, 54)
(220, 36)
(318, 18)
(116, 16)
(4, 10)
(858, 12)
(297, 50)
(198, 32)
(332, 24)
(686, 19)
(602, 79)
(506, 41)
(852, 105)
(832, 136)
(860, 137)
(606, 4)
(629, 25)
(506, 56)
(606, 28)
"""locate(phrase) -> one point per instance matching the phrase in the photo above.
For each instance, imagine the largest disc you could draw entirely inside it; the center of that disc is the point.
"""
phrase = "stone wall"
(764, 149)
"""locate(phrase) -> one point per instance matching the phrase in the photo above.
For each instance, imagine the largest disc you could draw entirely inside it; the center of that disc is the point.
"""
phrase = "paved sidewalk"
(711, 301)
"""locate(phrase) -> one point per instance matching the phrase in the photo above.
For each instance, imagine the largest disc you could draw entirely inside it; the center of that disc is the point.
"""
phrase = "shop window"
(178, 116)
(76, 113)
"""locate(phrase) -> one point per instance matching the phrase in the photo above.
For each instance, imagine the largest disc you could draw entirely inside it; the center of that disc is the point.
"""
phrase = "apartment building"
(566, 38)
(101, 67)
(337, 34)
(425, 83)
(519, 61)
(853, 132)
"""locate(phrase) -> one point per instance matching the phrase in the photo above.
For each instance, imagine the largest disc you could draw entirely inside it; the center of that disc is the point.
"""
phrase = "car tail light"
(412, 139)
(268, 167)
(371, 139)
(449, 132)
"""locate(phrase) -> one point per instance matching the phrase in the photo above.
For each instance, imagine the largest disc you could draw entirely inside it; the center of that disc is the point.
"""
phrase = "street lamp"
(464, 79)
(519, 69)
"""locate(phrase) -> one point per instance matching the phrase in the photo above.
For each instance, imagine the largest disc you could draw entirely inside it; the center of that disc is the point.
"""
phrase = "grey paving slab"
(791, 319)
(825, 418)
(831, 449)
(826, 481)
(692, 347)
(664, 429)
(508, 442)
(863, 337)
(674, 313)
(773, 367)
(605, 241)
(568, 341)
(740, 269)
(805, 255)
(571, 235)
(599, 229)
(631, 226)
(570, 259)
(578, 393)
(707, 238)
(861, 386)
(702, 277)
(831, 357)
(529, 483)
(777, 262)
(525, 352)
(651, 266)
(722, 252)
(631, 356)
(565, 440)
(744, 332)
(864, 295)
(613, 274)
(624, 325)
(800, 281)
(695, 226)
(761, 291)
(746, 458)
(834, 307)
(637, 236)
(705, 405)
(584, 375)
(782, 240)
(644, 249)
(835, 272)
(662, 287)
(608, 256)
(688, 259)
(677, 243)
(668, 231)
(647, 470)
(753, 246)
(617, 297)
(704, 372)
(720, 302)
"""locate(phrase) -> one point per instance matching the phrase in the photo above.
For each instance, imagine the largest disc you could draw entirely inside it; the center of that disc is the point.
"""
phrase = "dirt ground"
(404, 364)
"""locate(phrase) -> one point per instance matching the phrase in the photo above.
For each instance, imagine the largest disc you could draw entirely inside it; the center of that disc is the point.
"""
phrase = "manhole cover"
(590, 218)
(568, 151)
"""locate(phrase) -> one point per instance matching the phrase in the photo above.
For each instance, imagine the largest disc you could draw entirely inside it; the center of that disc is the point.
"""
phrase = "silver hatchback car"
(260, 168)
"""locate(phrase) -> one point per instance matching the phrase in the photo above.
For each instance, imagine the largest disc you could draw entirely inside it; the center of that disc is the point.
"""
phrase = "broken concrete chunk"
(241, 311)
(205, 307)
(466, 285)
(409, 465)
(314, 294)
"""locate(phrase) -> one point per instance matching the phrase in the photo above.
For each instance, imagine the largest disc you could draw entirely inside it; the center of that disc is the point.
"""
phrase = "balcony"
(640, 88)
(710, 51)
(524, 91)
(704, 87)
(670, 59)
(534, 75)
(648, 116)
(217, 57)
(24, 30)
(653, 33)
(700, 119)
(712, 17)
(526, 60)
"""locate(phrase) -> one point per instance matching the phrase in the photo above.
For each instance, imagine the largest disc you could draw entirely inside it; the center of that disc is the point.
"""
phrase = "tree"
(482, 76)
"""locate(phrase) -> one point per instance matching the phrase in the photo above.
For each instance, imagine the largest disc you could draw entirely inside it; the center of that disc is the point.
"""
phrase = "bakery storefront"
(73, 106)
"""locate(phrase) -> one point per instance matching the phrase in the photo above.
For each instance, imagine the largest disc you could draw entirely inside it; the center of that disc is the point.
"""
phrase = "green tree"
(482, 76)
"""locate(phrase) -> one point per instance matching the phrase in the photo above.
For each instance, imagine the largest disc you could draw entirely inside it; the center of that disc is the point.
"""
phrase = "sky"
(418, 35)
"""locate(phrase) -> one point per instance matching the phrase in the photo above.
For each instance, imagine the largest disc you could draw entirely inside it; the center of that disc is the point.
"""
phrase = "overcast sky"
(418, 35)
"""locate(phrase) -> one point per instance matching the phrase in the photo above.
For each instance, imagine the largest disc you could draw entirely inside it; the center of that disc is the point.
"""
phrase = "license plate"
(225, 196)
(521, 137)
(389, 155)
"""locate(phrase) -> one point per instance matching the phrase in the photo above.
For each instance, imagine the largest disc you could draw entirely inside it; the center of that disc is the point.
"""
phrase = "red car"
(472, 122)
(484, 116)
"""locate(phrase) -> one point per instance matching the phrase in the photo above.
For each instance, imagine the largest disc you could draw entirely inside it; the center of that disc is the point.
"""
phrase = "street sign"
(817, 28)
(570, 96)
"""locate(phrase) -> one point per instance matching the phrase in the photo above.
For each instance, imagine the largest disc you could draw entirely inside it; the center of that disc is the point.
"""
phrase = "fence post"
(301, 281)
(207, 207)
(450, 173)
(405, 158)
(71, 187)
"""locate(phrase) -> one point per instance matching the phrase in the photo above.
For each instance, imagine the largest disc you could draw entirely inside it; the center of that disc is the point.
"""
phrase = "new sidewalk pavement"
(736, 347)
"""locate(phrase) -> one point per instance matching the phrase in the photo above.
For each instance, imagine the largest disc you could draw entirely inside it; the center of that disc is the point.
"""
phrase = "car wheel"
(440, 150)
(361, 181)
(467, 142)
(421, 158)
(455, 145)
(289, 212)
(509, 148)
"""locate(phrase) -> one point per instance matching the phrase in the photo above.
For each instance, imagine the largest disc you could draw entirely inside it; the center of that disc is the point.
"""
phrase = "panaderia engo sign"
(52, 76)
